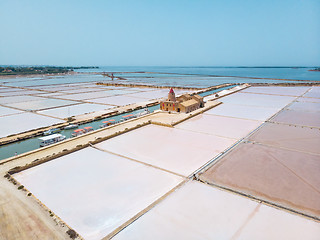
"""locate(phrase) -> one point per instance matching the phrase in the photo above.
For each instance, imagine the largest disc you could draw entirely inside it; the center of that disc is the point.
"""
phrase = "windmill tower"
(171, 96)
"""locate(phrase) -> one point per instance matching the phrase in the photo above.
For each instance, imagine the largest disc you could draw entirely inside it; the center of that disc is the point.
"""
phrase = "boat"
(51, 139)
(144, 112)
(78, 132)
(71, 126)
(88, 129)
(107, 123)
(127, 117)
(52, 131)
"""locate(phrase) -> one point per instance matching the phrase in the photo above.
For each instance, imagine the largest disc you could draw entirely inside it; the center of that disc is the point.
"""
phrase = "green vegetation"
(72, 234)
(11, 70)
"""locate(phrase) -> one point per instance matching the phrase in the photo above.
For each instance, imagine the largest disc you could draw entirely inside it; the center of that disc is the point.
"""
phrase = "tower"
(171, 96)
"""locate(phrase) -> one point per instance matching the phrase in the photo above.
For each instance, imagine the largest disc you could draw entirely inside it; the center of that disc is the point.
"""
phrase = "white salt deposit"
(198, 211)
(118, 100)
(259, 100)
(163, 93)
(285, 91)
(241, 111)
(16, 99)
(219, 125)
(94, 191)
(8, 111)
(64, 112)
(18, 123)
(93, 95)
(176, 150)
(44, 103)
(19, 93)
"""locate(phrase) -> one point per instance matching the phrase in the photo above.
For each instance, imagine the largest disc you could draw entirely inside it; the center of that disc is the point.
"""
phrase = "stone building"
(184, 103)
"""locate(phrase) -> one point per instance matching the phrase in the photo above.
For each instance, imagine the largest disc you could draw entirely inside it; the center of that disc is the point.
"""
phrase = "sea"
(193, 77)
(293, 73)
(199, 77)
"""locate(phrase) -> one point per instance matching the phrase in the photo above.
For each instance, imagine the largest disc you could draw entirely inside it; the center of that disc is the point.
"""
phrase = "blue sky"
(160, 33)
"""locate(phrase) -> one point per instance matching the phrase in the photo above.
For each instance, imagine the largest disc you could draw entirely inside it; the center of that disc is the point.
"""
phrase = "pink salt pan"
(313, 93)
(305, 106)
(284, 177)
(303, 118)
(296, 138)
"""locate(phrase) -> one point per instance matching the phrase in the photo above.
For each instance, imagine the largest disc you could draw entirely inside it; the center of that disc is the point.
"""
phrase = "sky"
(160, 33)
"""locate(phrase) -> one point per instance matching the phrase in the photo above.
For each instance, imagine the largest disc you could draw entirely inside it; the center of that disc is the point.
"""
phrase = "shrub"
(20, 187)
(72, 234)
(70, 119)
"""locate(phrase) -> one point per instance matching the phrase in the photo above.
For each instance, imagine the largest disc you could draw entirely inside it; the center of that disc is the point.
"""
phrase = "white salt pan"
(259, 100)
(245, 112)
(176, 150)
(220, 125)
(286, 91)
(42, 104)
(23, 122)
(198, 211)
(74, 110)
(8, 111)
(118, 100)
(94, 191)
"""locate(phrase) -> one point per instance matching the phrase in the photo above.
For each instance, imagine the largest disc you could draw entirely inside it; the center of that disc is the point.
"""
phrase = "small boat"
(71, 126)
(77, 132)
(88, 129)
(51, 139)
(107, 123)
(51, 131)
(127, 117)
(144, 112)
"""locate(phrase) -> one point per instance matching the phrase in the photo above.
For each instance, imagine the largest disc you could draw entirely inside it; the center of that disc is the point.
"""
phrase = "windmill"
(110, 75)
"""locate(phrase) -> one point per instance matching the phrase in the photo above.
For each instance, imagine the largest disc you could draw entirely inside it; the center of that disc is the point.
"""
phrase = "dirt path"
(22, 218)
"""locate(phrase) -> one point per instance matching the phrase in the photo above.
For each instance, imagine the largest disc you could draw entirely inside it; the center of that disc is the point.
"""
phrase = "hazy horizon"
(160, 33)
(173, 66)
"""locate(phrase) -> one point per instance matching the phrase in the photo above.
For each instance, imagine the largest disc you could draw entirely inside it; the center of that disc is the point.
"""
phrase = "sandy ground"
(22, 218)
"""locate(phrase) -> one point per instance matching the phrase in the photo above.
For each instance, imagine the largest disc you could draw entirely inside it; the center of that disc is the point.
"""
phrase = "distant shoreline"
(9, 71)
(147, 72)
(37, 75)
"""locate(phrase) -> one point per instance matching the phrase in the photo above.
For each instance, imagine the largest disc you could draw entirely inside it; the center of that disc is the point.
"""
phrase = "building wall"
(191, 108)
(169, 106)
(178, 107)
